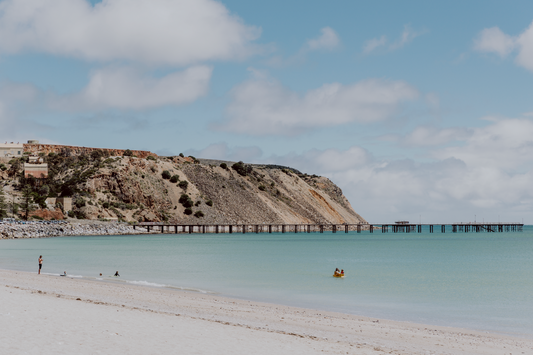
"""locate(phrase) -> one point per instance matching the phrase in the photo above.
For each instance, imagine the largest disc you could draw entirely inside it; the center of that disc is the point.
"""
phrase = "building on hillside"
(36, 167)
(66, 202)
(11, 150)
(38, 171)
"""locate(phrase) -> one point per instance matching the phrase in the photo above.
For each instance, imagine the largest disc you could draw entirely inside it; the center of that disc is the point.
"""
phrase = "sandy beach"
(62, 315)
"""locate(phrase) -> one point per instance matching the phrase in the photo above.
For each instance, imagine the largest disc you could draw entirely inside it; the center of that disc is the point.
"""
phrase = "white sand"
(40, 314)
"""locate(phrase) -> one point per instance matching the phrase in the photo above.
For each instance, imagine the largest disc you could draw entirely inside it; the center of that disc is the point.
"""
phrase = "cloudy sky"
(418, 110)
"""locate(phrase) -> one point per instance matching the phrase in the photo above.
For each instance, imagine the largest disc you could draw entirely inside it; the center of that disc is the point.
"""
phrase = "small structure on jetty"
(308, 228)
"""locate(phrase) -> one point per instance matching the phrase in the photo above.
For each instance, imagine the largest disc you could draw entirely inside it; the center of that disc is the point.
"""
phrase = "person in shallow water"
(64, 273)
(40, 263)
(116, 274)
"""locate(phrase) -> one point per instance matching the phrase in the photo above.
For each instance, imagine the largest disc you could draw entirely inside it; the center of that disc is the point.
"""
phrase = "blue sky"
(416, 109)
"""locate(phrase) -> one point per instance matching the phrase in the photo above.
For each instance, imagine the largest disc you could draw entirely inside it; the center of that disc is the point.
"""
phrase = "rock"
(90, 212)
(42, 230)
(48, 214)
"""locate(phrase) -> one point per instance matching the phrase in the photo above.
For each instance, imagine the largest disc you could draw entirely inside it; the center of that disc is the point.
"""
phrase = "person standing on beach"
(40, 263)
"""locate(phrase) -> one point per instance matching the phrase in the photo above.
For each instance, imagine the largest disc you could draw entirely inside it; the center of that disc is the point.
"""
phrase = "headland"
(79, 183)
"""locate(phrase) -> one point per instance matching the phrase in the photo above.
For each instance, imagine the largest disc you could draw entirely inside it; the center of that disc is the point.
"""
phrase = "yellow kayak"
(338, 275)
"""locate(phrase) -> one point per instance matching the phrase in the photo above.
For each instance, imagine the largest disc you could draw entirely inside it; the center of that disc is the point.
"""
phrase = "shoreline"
(255, 324)
(69, 229)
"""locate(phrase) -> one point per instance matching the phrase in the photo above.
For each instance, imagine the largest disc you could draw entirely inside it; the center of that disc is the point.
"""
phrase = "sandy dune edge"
(42, 314)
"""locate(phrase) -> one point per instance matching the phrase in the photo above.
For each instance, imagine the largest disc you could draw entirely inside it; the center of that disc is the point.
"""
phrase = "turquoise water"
(480, 281)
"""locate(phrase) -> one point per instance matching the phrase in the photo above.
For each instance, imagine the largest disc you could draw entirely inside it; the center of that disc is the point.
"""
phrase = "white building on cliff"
(11, 150)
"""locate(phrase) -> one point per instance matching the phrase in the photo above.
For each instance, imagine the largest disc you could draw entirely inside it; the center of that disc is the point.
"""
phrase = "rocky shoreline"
(38, 230)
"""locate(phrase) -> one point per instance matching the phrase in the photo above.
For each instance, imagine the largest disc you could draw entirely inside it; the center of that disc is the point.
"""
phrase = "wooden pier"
(334, 228)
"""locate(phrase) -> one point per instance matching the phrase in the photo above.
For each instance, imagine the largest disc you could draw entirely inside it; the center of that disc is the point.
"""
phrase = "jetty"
(398, 227)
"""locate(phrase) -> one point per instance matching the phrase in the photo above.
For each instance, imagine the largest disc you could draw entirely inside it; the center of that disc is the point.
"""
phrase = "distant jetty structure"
(398, 227)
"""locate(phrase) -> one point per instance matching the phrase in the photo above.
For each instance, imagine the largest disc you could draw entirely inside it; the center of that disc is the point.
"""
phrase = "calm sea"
(481, 281)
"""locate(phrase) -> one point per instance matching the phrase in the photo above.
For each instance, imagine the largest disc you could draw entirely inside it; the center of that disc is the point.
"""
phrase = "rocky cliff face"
(35, 149)
(182, 190)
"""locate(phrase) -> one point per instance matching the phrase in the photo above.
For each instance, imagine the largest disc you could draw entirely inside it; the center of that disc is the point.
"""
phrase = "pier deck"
(321, 228)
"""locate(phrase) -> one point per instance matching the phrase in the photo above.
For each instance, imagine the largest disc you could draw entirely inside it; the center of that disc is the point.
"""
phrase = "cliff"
(184, 190)
(36, 149)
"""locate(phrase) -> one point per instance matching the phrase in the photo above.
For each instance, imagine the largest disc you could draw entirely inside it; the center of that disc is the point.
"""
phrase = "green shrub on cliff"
(98, 153)
(224, 166)
(27, 201)
(186, 201)
(198, 214)
(209, 203)
(241, 168)
(174, 179)
(80, 202)
(165, 174)
(127, 153)
(183, 184)
(150, 157)
(262, 187)
(188, 211)
(44, 190)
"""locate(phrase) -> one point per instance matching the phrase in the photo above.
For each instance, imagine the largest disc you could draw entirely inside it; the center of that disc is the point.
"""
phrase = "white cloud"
(406, 37)
(167, 32)
(504, 144)
(125, 88)
(494, 40)
(327, 40)
(525, 42)
(262, 107)
(489, 175)
(128, 88)
(433, 136)
(374, 43)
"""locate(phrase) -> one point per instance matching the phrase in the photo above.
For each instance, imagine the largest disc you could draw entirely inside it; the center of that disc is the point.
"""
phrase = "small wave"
(193, 290)
(152, 284)
(68, 275)
(146, 283)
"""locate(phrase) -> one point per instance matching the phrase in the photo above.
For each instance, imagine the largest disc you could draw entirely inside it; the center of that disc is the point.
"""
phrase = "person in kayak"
(337, 272)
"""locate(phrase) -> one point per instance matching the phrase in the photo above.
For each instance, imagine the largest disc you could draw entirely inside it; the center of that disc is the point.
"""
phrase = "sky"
(418, 110)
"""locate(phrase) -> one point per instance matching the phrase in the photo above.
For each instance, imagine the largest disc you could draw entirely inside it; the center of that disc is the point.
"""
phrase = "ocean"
(481, 281)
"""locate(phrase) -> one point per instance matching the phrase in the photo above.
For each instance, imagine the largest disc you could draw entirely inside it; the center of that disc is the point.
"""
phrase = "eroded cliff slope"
(183, 190)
